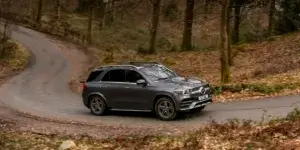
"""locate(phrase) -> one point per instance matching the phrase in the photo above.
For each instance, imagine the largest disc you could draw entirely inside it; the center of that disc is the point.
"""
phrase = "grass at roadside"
(234, 134)
(14, 62)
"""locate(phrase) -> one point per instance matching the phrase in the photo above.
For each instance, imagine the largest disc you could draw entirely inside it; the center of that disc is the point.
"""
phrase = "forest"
(245, 48)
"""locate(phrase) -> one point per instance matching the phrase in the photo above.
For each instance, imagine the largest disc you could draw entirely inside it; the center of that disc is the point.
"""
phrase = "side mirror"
(141, 82)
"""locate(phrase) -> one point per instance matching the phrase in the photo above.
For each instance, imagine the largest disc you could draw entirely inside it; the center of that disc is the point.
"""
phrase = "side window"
(94, 76)
(132, 76)
(117, 75)
(106, 77)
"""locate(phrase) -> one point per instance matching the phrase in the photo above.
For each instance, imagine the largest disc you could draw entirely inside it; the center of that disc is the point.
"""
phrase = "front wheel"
(97, 105)
(165, 109)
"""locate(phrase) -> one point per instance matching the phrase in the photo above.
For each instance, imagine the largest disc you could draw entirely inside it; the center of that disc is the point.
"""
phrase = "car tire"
(165, 109)
(97, 105)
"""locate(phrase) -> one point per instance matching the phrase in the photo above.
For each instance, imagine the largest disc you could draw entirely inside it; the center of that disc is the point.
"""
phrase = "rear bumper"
(84, 99)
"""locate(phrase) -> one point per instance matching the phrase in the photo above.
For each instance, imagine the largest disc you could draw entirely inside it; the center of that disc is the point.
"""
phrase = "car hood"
(183, 82)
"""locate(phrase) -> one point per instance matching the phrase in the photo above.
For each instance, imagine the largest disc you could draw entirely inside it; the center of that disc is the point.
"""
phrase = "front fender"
(170, 95)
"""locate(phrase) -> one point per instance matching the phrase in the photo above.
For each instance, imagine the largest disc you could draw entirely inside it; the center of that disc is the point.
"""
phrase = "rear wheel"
(97, 105)
(165, 109)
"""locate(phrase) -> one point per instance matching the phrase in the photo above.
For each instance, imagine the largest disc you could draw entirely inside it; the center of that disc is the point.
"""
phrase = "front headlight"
(183, 92)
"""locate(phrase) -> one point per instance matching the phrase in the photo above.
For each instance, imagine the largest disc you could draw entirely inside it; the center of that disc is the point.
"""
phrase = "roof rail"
(141, 63)
(107, 66)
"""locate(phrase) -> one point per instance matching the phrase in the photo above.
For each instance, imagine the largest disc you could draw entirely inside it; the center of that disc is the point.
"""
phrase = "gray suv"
(144, 87)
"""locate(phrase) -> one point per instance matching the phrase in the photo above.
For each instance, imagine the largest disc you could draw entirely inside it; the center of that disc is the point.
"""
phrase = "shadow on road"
(149, 115)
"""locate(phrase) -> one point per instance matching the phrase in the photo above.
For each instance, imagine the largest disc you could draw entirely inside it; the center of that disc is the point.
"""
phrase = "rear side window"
(132, 76)
(94, 76)
(117, 75)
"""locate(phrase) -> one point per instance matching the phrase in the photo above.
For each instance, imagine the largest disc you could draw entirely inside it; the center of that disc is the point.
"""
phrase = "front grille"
(186, 103)
(199, 91)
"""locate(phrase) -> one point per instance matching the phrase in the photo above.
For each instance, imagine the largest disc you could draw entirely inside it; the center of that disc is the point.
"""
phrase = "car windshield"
(158, 72)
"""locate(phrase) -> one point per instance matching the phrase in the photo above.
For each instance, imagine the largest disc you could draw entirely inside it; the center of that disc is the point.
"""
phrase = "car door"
(112, 87)
(139, 96)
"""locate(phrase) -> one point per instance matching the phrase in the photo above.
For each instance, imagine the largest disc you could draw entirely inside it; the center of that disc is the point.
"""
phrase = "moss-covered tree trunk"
(188, 26)
(38, 20)
(225, 70)
(271, 17)
(154, 26)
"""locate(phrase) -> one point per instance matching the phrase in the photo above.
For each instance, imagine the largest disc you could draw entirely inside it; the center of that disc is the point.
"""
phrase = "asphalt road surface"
(43, 90)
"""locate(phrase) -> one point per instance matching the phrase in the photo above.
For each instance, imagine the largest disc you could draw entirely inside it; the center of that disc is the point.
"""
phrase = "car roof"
(135, 65)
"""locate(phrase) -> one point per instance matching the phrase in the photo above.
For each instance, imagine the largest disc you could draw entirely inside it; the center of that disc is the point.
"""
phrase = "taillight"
(84, 86)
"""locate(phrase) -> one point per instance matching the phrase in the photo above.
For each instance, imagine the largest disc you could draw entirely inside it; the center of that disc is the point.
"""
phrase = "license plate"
(204, 97)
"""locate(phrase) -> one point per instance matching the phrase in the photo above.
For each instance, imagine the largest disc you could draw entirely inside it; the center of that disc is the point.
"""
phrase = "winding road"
(42, 90)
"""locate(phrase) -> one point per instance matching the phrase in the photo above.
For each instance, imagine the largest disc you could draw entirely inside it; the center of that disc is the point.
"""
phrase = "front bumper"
(191, 102)
(196, 104)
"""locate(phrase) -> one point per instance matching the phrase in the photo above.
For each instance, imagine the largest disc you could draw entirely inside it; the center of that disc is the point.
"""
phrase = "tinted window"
(117, 75)
(106, 77)
(94, 76)
(132, 76)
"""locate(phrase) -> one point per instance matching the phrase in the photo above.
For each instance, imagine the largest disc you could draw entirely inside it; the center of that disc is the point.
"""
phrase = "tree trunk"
(90, 25)
(188, 26)
(39, 13)
(206, 5)
(237, 22)
(154, 26)
(58, 9)
(230, 58)
(30, 8)
(271, 17)
(225, 72)
(102, 6)
(113, 7)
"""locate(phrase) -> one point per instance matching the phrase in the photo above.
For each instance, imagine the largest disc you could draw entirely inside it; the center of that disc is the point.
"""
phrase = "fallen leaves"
(234, 134)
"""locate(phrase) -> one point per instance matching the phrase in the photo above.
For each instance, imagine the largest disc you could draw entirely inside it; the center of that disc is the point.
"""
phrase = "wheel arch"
(164, 95)
(95, 94)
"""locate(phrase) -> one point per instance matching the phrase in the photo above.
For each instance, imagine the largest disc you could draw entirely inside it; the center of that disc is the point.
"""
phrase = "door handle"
(126, 87)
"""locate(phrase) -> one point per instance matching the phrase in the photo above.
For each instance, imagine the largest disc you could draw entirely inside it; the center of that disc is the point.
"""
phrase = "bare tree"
(90, 24)
(225, 70)
(188, 25)
(155, 21)
(230, 58)
(206, 8)
(57, 12)
(271, 16)
(39, 13)
(102, 8)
